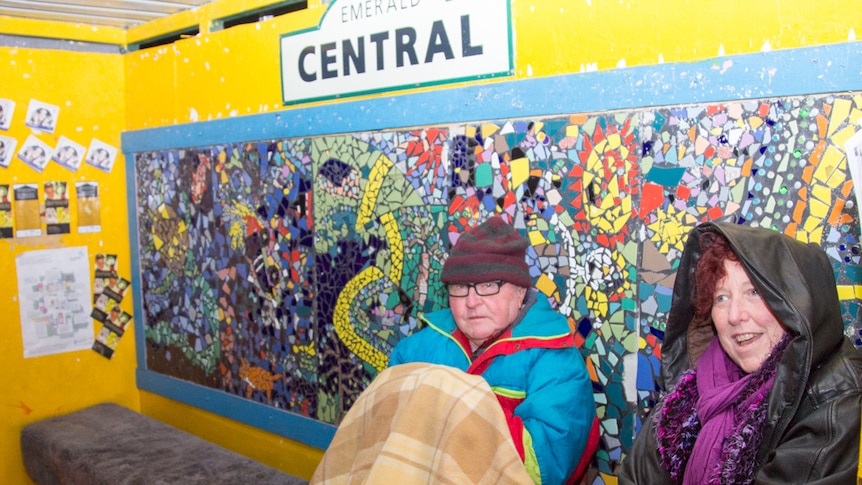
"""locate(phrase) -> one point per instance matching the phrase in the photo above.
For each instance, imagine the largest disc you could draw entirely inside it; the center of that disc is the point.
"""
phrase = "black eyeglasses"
(488, 288)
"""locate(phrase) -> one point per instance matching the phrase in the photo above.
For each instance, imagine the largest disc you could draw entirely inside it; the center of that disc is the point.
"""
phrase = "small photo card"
(7, 108)
(102, 305)
(7, 150)
(101, 155)
(106, 265)
(115, 287)
(42, 116)
(68, 153)
(106, 342)
(35, 153)
(117, 320)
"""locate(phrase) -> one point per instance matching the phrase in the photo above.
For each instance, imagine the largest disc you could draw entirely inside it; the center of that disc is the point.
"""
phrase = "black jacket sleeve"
(820, 448)
(643, 465)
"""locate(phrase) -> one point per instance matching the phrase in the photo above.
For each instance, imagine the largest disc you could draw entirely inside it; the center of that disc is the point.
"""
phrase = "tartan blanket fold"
(423, 423)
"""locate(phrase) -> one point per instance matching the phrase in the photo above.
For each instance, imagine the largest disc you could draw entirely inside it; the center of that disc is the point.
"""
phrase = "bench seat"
(110, 444)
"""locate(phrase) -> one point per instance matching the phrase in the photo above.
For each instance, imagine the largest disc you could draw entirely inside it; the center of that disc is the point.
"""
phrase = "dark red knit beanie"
(490, 251)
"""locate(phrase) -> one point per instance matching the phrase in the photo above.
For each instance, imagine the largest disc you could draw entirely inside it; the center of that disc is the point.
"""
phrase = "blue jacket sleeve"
(557, 412)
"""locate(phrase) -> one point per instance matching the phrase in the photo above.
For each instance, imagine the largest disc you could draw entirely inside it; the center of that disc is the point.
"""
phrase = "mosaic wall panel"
(284, 271)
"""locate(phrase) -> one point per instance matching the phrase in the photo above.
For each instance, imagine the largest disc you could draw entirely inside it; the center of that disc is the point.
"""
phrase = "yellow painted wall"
(235, 73)
(88, 88)
(556, 37)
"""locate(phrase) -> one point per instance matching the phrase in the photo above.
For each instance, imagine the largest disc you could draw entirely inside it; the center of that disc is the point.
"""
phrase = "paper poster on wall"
(42, 116)
(56, 208)
(68, 153)
(89, 212)
(7, 150)
(5, 212)
(53, 291)
(35, 153)
(7, 109)
(28, 223)
(101, 155)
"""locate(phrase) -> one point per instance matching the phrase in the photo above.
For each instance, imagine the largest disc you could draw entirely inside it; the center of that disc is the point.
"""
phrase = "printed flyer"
(89, 212)
(26, 208)
(5, 212)
(56, 208)
(53, 293)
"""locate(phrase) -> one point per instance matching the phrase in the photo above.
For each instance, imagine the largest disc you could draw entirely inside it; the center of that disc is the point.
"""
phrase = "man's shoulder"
(434, 325)
(425, 345)
(543, 319)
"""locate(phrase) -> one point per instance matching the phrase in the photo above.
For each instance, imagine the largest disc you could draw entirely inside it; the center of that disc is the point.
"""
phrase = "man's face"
(480, 317)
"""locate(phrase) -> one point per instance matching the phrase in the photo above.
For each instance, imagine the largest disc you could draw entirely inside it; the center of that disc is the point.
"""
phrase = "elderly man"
(491, 391)
(498, 327)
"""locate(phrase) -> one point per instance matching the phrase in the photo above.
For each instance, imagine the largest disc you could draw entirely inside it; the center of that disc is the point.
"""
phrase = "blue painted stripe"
(135, 261)
(292, 426)
(808, 70)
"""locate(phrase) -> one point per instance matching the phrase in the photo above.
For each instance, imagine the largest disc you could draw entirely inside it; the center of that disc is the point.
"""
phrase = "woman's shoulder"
(840, 374)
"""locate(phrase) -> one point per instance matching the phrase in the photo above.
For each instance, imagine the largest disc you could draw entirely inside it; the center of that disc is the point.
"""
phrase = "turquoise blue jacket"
(538, 375)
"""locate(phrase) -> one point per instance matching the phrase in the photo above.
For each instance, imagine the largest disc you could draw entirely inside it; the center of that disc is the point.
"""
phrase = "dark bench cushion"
(110, 444)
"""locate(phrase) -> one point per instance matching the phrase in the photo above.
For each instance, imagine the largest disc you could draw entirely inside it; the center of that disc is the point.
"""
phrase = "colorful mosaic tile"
(285, 271)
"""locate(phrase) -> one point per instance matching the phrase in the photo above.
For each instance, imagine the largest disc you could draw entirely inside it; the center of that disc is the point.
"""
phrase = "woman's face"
(746, 327)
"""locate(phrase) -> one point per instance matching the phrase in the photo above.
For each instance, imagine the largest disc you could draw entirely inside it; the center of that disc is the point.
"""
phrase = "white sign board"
(371, 46)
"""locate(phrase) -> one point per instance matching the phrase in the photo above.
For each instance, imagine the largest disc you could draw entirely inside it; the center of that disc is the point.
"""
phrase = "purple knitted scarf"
(735, 409)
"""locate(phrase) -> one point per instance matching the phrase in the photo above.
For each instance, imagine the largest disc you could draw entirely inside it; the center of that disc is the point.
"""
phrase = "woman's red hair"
(714, 251)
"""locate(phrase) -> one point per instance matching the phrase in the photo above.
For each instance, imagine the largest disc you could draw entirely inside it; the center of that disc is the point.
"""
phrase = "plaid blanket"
(423, 423)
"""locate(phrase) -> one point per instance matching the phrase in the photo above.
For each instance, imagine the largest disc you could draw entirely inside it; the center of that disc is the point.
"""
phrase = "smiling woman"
(749, 349)
(746, 328)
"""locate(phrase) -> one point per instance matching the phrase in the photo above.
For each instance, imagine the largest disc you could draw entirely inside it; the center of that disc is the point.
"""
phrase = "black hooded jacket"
(811, 433)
